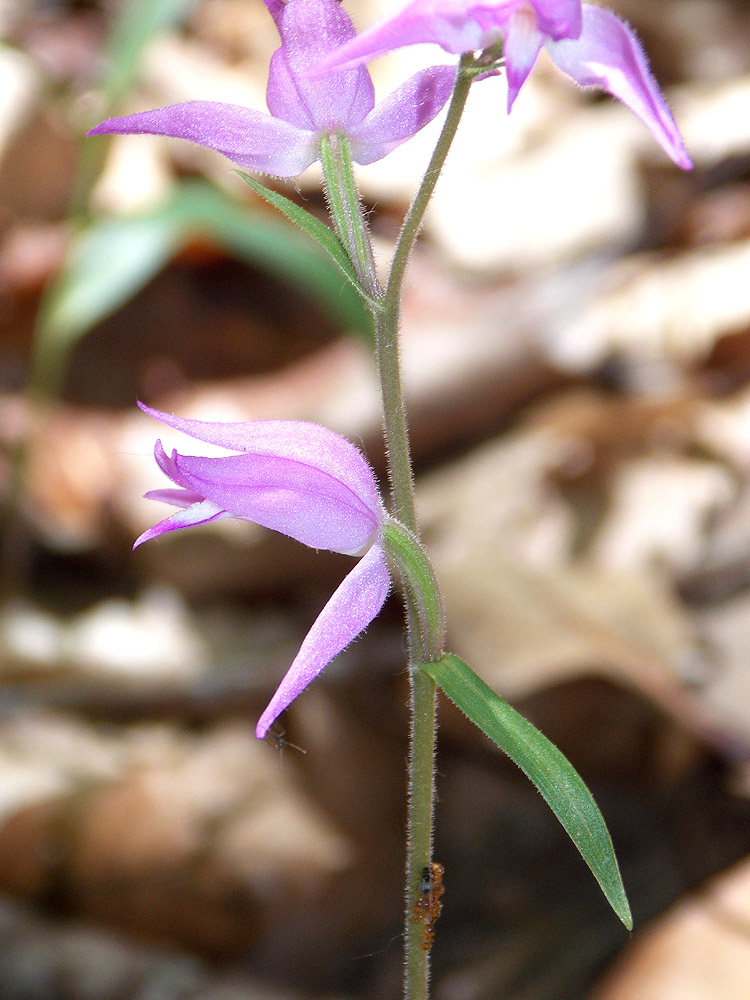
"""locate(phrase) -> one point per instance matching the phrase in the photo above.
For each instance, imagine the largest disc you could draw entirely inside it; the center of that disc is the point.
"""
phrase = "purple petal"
(275, 9)
(177, 498)
(168, 466)
(247, 137)
(282, 97)
(286, 495)
(443, 22)
(353, 606)
(402, 114)
(558, 18)
(522, 44)
(304, 442)
(197, 513)
(456, 26)
(608, 55)
(310, 29)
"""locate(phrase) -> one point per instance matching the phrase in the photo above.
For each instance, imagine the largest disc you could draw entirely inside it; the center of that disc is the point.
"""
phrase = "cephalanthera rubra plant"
(312, 484)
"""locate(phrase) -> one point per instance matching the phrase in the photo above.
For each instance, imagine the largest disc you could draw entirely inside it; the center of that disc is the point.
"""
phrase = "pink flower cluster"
(299, 478)
(588, 43)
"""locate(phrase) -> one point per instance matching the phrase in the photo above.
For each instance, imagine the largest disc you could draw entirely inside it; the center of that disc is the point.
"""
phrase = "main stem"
(421, 776)
(388, 315)
(349, 222)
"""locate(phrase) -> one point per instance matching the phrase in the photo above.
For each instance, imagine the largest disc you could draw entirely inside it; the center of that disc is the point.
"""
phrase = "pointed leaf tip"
(554, 776)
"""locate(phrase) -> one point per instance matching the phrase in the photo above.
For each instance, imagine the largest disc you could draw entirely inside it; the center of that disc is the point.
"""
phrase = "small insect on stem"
(276, 736)
(428, 906)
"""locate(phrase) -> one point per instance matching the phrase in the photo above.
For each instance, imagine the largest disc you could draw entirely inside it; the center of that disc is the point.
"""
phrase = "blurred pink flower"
(590, 44)
(303, 109)
(304, 481)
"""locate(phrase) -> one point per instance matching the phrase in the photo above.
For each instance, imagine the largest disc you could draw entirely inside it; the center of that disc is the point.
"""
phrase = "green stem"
(413, 219)
(388, 316)
(395, 427)
(421, 789)
(421, 777)
(386, 311)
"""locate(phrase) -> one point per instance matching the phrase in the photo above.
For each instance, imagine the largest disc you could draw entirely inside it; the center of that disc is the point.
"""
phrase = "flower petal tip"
(264, 724)
(682, 159)
(354, 604)
(145, 536)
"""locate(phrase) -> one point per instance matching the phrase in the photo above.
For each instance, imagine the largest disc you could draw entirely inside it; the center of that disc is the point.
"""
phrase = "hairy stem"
(386, 310)
(421, 777)
(388, 316)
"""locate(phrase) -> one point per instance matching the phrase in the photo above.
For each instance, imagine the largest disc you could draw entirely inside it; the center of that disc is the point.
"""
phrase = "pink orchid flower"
(593, 46)
(303, 109)
(304, 481)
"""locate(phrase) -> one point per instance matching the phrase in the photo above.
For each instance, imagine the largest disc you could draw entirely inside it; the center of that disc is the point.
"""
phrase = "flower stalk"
(425, 622)
(345, 208)
(415, 216)
(388, 317)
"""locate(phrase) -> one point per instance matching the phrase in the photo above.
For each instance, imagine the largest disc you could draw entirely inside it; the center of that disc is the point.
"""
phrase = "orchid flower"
(304, 481)
(304, 110)
(591, 45)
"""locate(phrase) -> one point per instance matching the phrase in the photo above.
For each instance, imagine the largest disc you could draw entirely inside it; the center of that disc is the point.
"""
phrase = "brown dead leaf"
(526, 612)
(182, 837)
(666, 313)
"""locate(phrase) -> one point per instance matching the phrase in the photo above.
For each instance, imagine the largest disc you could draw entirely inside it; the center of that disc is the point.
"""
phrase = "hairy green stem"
(388, 316)
(421, 791)
(415, 215)
(421, 777)
(386, 311)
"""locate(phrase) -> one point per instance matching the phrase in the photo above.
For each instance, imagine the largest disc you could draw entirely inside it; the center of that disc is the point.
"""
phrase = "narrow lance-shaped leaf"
(310, 224)
(541, 761)
(402, 546)
(106, 264)
(113, 258)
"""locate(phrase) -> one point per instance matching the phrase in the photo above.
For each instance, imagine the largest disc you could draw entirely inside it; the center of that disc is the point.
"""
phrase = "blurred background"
(576, 345)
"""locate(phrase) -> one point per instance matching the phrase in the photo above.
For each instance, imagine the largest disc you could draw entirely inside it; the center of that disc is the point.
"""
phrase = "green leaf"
(106, 264)
(275, 246)
(310, 224)
(112, 259)
(554, 776)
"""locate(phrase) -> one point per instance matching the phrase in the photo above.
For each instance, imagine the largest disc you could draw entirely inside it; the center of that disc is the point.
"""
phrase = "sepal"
(355, 603)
